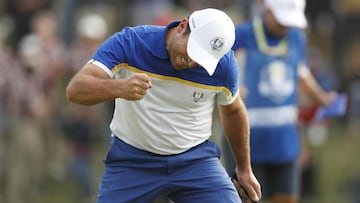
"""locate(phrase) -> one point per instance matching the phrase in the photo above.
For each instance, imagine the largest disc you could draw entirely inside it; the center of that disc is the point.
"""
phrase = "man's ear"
(182, 26)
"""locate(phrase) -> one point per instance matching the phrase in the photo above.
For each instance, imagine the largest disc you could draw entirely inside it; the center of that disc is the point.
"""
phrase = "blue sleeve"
(232, 79)
(112, 51)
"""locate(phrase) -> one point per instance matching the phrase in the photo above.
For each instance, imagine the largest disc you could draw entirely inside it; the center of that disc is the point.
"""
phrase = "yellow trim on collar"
(163, 77)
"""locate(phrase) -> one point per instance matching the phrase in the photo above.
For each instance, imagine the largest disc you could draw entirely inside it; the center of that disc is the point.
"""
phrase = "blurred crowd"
(44, 42)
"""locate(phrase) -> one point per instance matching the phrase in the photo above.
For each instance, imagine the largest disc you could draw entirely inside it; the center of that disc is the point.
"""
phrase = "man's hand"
(136, 86)
(247, 186)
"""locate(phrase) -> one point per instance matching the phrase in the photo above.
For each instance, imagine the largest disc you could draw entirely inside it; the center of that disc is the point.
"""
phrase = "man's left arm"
(236, 127)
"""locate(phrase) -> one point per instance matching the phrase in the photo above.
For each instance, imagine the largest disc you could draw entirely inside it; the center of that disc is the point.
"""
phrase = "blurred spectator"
(91, 31)
(42, 50)
(22, 12)
(194, 5)
(353, 86)
(313, 134)
(33, 145)
(150, 11)
(8, 65)
(43, 53)
(25, 161)
(70, 10)
(82, 124)
(346, 43)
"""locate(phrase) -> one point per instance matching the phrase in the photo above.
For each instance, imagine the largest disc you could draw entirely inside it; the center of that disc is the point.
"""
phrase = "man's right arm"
(91, 85)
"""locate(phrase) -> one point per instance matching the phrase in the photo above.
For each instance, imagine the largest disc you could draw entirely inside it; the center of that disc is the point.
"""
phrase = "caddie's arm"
(236, 126)
(310, 85)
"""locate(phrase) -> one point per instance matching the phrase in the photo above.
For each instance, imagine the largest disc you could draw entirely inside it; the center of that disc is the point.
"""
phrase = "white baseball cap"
(212, 36)
(290, 13)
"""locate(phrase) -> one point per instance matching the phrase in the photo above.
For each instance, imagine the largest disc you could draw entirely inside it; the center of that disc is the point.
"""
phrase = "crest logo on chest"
(197, 95)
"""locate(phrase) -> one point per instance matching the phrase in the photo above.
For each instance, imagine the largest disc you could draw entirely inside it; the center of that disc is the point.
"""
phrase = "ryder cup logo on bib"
(276, 81)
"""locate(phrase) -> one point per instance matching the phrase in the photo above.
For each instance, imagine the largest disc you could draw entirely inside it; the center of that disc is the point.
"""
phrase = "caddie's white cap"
(212, 36)
(289, 13)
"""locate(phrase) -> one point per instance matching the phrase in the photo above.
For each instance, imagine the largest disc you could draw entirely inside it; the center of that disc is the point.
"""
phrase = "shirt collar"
(161, 51)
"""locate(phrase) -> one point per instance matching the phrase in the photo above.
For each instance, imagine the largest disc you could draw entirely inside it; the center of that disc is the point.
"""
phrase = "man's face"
(178, 49)
(273, 26)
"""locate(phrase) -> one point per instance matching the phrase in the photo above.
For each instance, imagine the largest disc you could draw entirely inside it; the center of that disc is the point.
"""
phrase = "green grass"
(337, 162)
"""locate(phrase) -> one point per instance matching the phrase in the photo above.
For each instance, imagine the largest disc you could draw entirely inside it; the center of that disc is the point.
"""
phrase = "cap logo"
(217, 43)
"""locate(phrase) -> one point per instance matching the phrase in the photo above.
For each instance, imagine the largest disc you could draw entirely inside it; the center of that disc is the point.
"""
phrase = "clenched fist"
(136, 86)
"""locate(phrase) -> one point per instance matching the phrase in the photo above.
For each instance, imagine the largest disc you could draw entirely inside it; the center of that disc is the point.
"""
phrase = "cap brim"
(201, 56)
(291, 19)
